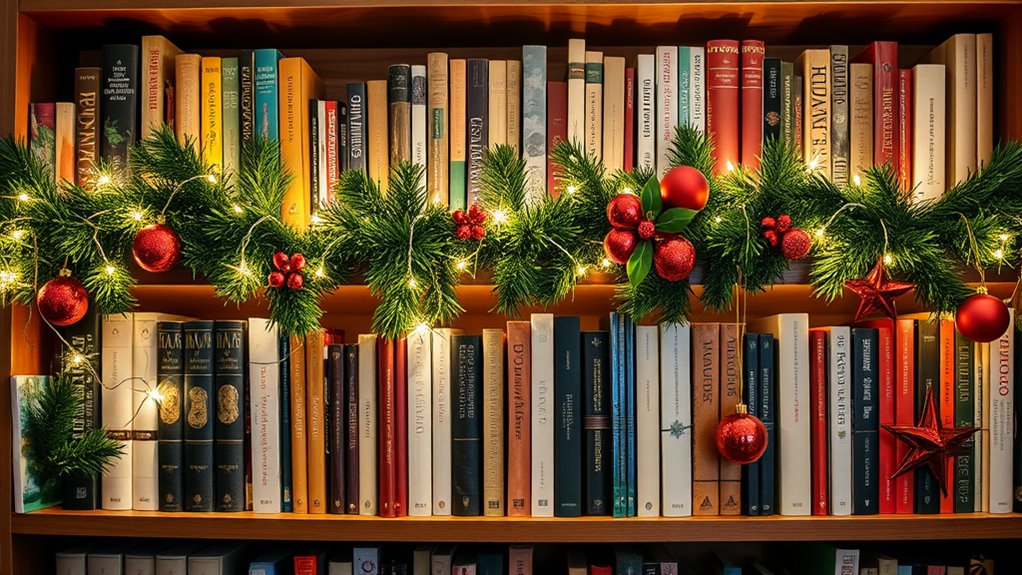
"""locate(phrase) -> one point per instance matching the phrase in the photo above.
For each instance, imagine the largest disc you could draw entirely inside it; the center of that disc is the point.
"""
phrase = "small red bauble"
(674, 258)
(297, 262)
(783, 223)
(63, 300)
(795, 244)
(156, 248)
(684, 187)
(618, 245)
(463, 232)
(282, 262)
(982, 318)
(624, 211)
(646, 229)
(768, 222)
(275, 279)
(478, 232)
(771, 236)
(295, 281)
(741, 438)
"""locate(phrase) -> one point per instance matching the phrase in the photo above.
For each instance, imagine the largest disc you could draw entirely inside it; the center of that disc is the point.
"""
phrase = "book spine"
(885, 416)
(286, 476)
(298, 86)
(458, 198)
(928, 130)
(962, 488)
(816, 114)
(299, 425)
(315, 419)
(927, 496)
(438, 125)
(793, 392)
(684, 84)
(796, 113)
(230, 104)
(787, 117)
(767, 411)
(367, 425)
(750, 375)
(246, 97)
(466, 425)
(596, 421)
(576, 92)
(493, 422)
(542, 392)
(905, 102)
(343, 154)
(666, 75)
(441, 478)
(145, 470)
(356, 98)
(753, 52)
(884, 58)
(419, 115)
(629, 122)
(840, 152)
(198, 410)
(567, 470)
(984, 98)
(387, 427)
(594, 105)
(82, 340)
(730, 494)
(420, 425)
(613, 113)
(961, 61)
(351, 429)
(497, 103)
(557, 129)
(42, 134)
(264, 383)
(818, 399)
(534, 122)
(945, 398)
(1000, 420)
(116, 402)
(514, 105)
(210, 111)
(722, 86)
(519, 409)
(629, 370)
(335, 131)
(64, 142)
(697, 88)
(170, 371)
(119, 107)
(861, 125)
(647, 418)
(229, 428)
(981, 439)
(187, 114)
(401, 427)
(477, 124)
(266, 100)
(315, 134)
(157, 75)
(705, 412)
(376, 146)
(617, 422)
(645, 113)
(864, 422)
(904, 403)
(87, 121)
(840, 444)
(772, 90)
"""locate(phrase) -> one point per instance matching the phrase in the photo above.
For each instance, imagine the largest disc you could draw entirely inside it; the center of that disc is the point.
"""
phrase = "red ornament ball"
(295, 281)
(783, 223)
(282, 262)
(297, 262)
(618, 245)
(157, 248)
(275, 279)
(62, 300)
(674, 258)
(684, 187)
(795, 244)
(982, 318)
(741, 438)
(646, 229)
(624, 211)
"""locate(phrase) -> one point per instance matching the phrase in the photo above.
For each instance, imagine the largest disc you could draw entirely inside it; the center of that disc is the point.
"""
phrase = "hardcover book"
(666, 74)
(466, 425)
(840, 151)
(984, 98)
(645, 112)
(187, 96)
(399, 106)
(31, 492)
(883, 57)
(367, 425)
(267, 123)
(905, 101)
(497, 105)
(958, 55)
(557, 129)
(697, 88)
(543, 432)
(519, 416)
(752, 105)
(514, 105)
(336, 417)
(198, 413)
(751, 397)
(964, 474)
(927, 371)
(567, 471)
(442, 402)
(865, 428)
(772, 90)
(722, 109)
(860, 108)
(418, 132)
(315, 421)
(286, 429)
(437, 127)
(768, 415)
(477, 124)
(246, 96)
(298, 84)
(264, 412)
(356, 94)
(534, 121)
(818, 397)
(596, 421)
(730, 379)
(839, 445)
(420, 424)
(231, 415)
(116, 401)
(576, 92)
(158, 55)
(705, 415)
(459, 85)
(998, 398)
(886, 397)
(647, 416)
(119, 107)
(928, 129)
(387, 426)
(493, 422)
(629, 121)
(351, 425)
(594, 105)
(87, 120)
(613, 113)
(210, 109)
(231, 114)
(170, 374)
(816, 114)
(377, 134)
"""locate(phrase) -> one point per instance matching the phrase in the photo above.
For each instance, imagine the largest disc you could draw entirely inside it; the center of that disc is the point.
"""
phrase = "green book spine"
(927, 491)
(568, 423)
(684, 85)
(198, 416)
(964, 406)
(457, 186)
(230, 88)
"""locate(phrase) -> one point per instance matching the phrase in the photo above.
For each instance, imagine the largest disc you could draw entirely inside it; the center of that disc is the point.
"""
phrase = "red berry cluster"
(794, 242)
(289, 271)
(470, 223)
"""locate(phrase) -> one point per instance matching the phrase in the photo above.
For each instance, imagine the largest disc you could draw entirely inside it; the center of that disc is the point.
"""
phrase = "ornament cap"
(161, 219)
(982, 289)
(64, 273)
(741, 409)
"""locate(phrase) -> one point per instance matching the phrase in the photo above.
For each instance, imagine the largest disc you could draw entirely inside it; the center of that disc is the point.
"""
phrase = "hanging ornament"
(674, 258)
(157, 248)
(930, 443)
(618, 245)
(795, 244)
(470, 223)
(982, 317)
(877, 292)
(624, 211)
(741, 437)
(63, 300)
(684, 187)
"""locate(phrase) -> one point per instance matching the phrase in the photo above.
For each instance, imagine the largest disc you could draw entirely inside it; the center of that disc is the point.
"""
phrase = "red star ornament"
(932, 444)
(877, 292)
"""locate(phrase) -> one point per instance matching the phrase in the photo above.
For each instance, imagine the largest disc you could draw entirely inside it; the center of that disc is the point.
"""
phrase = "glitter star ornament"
(878, 292)
(931, 445)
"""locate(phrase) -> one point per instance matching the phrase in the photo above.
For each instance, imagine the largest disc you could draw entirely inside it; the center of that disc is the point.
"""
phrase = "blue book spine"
(767, 394)
(750, 472)
(630, 413)
(533, 148)
(617, 424)
(568, 411)
(266, 119)
(865, 423)
(286, 505)
(684, 84)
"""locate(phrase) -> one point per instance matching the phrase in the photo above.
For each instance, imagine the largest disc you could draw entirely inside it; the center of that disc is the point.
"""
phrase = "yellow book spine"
(376, 96)
(212, 118)
(187, 117)
(297, 85)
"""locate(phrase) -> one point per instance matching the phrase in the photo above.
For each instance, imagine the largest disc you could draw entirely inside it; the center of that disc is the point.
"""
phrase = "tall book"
(198, 396)
(298, 85)
(187, 95)
(264, 412)
(399, 109)
(419, 115)
(984, 98)
(772, 90)
(116, 401)
(596, 420)
(575, 117)
(441, 424)
(466, 425)
(886, 355)
(767, 408)
(367, 425)
(210, 112)
(316, 134)
(840, 132)
(438, 128)
(904, 407)
(420, 423)
(145, 411)
(31, 491)
(697, 88)
(493, 422)
(787, 103)
(297, 379)
(860, 109)
(722, 109)
(619, 477)
(666, 75)
(945, 401)
(818, 398)
(705, 415)
(519, 415)
(865, 454)
(791, 331)
(534, 123)
(87, 119)
(594, 105)
(229, 428)
(958, 54)
(497, 104)
(119, 107)
(376, 142)
(962, 488)
(170, 374)
(387, 427)
(645, 112)
(751, 397)
(839, 444)
(629, 121)
(315, 421)
(647, 420)
(457, 195)
(401, 427)
(477, 123)
(356, 98)
(351, 429)
(928, 129)
(684, 83)
(729, 397)
(42, 125)
(614, 113)
(816, 114)
(79, 361)
(927, 372)
(752, 55)
(286, 431)
(331, 149)
(675, 420)
(796, 112)
(542, 393)
(266, 86)
(246, 96)
(567, 383)
(998, 417)
(557, 129)
(905, 101)
(883, 57)
(628, 362)
(514, 105)
(230, 105)
(158, 55)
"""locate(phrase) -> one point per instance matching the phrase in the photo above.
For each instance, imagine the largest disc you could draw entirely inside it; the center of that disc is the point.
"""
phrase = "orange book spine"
(315, 418)
(705, 415)
(904, 406)
(519, 416)
(730, 473)
(299, 451)
(946, 399)
(297, 85)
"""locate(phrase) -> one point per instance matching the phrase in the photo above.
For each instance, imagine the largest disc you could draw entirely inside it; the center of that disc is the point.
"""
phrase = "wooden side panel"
(1008, 77)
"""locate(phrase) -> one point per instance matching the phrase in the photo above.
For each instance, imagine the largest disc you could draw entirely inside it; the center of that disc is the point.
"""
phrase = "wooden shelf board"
(289, 526)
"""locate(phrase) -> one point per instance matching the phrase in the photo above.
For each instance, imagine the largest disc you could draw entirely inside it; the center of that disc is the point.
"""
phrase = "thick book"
(437, 128)
(246, 97)
(297, 380)
(230, 102)
(298, 84)
(557, 129)
(645, 111)
(351, 429)
(576, 92)
(958, 55)
(210, 108)
(31, 492)
(839, 444)
(865, 427)
(628, 361)
(493, 422)
(272, 562)
(116, 402)
(534, 122)
(378, 157)
(119, 107)
(818, 399)
(519, 415)
(331, 150)
(752, 102)
(722, 102)
(767, 408)
(497, 104)
(457, 197)
(418, 89)
(229, 428)
(387, 426)
(984, 98)
(666, 80)
(199, 476)
(816, 114)
(885, 405)
(773, 114)
(441, 424)
(928, 129)
(266, 85)
(904, 407)
(145, 409)
(399, 110)
(927, 372)
(264, 414)
(356, 99)
(883, 57)
(629, 120)
(705, 415)
(286, 431)
(905, 102)
(543, 415)
(840, 151)
(218, 559)
(477, 124)
(730, 497)
(614, 124)
(647, 419)
(170, 374)
(594, 105)
(998, 399)
(514, 105)
(596, 421)
(158, 55)
(750, 395)
(860, 109)
(187, 95)
(466, 425)
(567, 470)
(420, 423)
(519, 559)
(367, 425)
(87, 120)
(315, 421)
(311, 562)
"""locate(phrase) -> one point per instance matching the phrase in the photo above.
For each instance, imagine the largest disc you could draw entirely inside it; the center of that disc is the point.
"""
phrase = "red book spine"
(886, 140)
(305, 565)
(888, 462)
(904, 165)
(722, 101)
(387, 431)
(601, 570)
(818, 420)
(752, 102)
(629, 119)
(401, 426)
(332, 152)
(556, 128)
(904, 405)
(946, 402)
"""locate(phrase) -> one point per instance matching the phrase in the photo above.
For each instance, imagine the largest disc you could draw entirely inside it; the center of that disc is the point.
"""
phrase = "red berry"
(281, 261)
(783, 223)
(459, 217)
(463, 232)
(297, 262)
(295, 281)
(795, 244)
(478, 232)
(768, 222)
(275, 279)
(771, 237)
(646, 229)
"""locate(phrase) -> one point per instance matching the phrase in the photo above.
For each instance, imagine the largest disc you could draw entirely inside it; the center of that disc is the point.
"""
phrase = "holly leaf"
(674, 220)
(640, 262)
(650, 196)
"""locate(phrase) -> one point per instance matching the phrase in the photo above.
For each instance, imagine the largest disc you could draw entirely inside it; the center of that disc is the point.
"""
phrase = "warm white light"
(819, 233)
(461, 265)
(137, 216)
(1003, 237)
(23, 197)
(857, 180)
(77, 359)
(998, 254)
(237, 208)
(888, 259)
(730, 166)
(626, 191)
(718, 219)
(110, 270)
(103, 180)
(316, 219)
(7, 277)
(211, 178)
(421, 330)
(813, 163)
(436, 199)
(155, 395)
(243, 269)
(319, 272)
(571, 189)
(412, 283)
(605, 263)
(581, 270)
(17, 234)
(499, 216)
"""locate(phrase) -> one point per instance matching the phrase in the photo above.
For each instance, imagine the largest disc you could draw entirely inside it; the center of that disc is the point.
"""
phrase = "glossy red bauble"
(795, 244)
(624, 211)
(741, 438)
(156, 248)
(297, 262)
(295, 281)
(684, 187)
(282, 262)
(618, 245)
(63, 300)
(982, 318)
(275, 279)
(674, 258)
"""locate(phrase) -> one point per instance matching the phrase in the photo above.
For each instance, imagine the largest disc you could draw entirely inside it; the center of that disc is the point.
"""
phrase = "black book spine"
(119, 106)
(650, 569)
(246, 75)
(80, 362)
(865, 423)
(771, 99)
(356, 126)
(229, 428)
(751, 397)
(767, 395)
(596, 364)
(964, 464)
(466, 426)
(314, 136)
(170, 365)
(343, 159)
(198, 428)
(567, 425)
(336, 445)
(477, 107)
(286, 504)
(351, 427)
(927, 375)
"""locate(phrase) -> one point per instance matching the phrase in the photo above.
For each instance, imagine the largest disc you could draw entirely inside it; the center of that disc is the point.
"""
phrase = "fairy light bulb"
(627, 190)
(136, 215)
(1003, 237)
(857, 180)
(17, 234)
(717, 219)
(211, 178)
(237, 208)
(499, 216)
(110, 270)
(412, 283)
(605, 263)
(820, 232)
(421, 330)
(316, 219)
(999, 254)
(581, 270)
(571, 189)
(155, 395)
(23, 197)
(320, 272)
(888, 259)
(730, 166)
(103, 180)
(461, 265)
(812, 164)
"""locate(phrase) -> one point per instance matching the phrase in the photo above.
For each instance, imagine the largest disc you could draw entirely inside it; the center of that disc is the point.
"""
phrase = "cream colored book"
(958, 54)
(367, 440)
(815, 68)
(594, 105)
(576, 91)
(498, 103)
(158, 56)
(457, 186)
(613, 113)
(441, 365)
(860, 107)
(420, 424)
(64, 134)
(493, 422)
(647, 420)
(514, 104)
(999, 421)
(376, 106)
(437, 168)
(116, 401)
(984, 98)
(928, 106)
(542, 414)
(187, 115)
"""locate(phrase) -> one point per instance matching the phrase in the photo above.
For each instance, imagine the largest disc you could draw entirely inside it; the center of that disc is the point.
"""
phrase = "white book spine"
(839, 450)
(984, 98)
(1000, 420)
(576, 91)
(264, 410)
(979, 439)
(441, 485)
(321, 145)
(116, 398)
(367, 424)
(71, 563)
(440, 564)
(963, 58)
(647, 420)
(519, 560)
(542, 415)
(928, 108)
(697, 88)
(846, 562)
(419, 115)
(144, 450)
(534, 80)
(666, 104)
(420, 424)
(645, 113)
(497, 104)
(676, 419)
(614, 113)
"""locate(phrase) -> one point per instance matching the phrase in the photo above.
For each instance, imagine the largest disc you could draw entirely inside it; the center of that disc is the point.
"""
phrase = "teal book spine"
(750, 395)
(266, 75)
(767, 410)
(568, 411)
(198, 416)
(534, 135)
(617, 430)
(684, 85)
(230, 88)
(629, 369)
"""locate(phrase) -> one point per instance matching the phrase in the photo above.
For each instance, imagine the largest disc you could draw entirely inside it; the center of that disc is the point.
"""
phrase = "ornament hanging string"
(834, 216)
(411, 238)
(242, 267)
(209, 177)
(975, 254)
